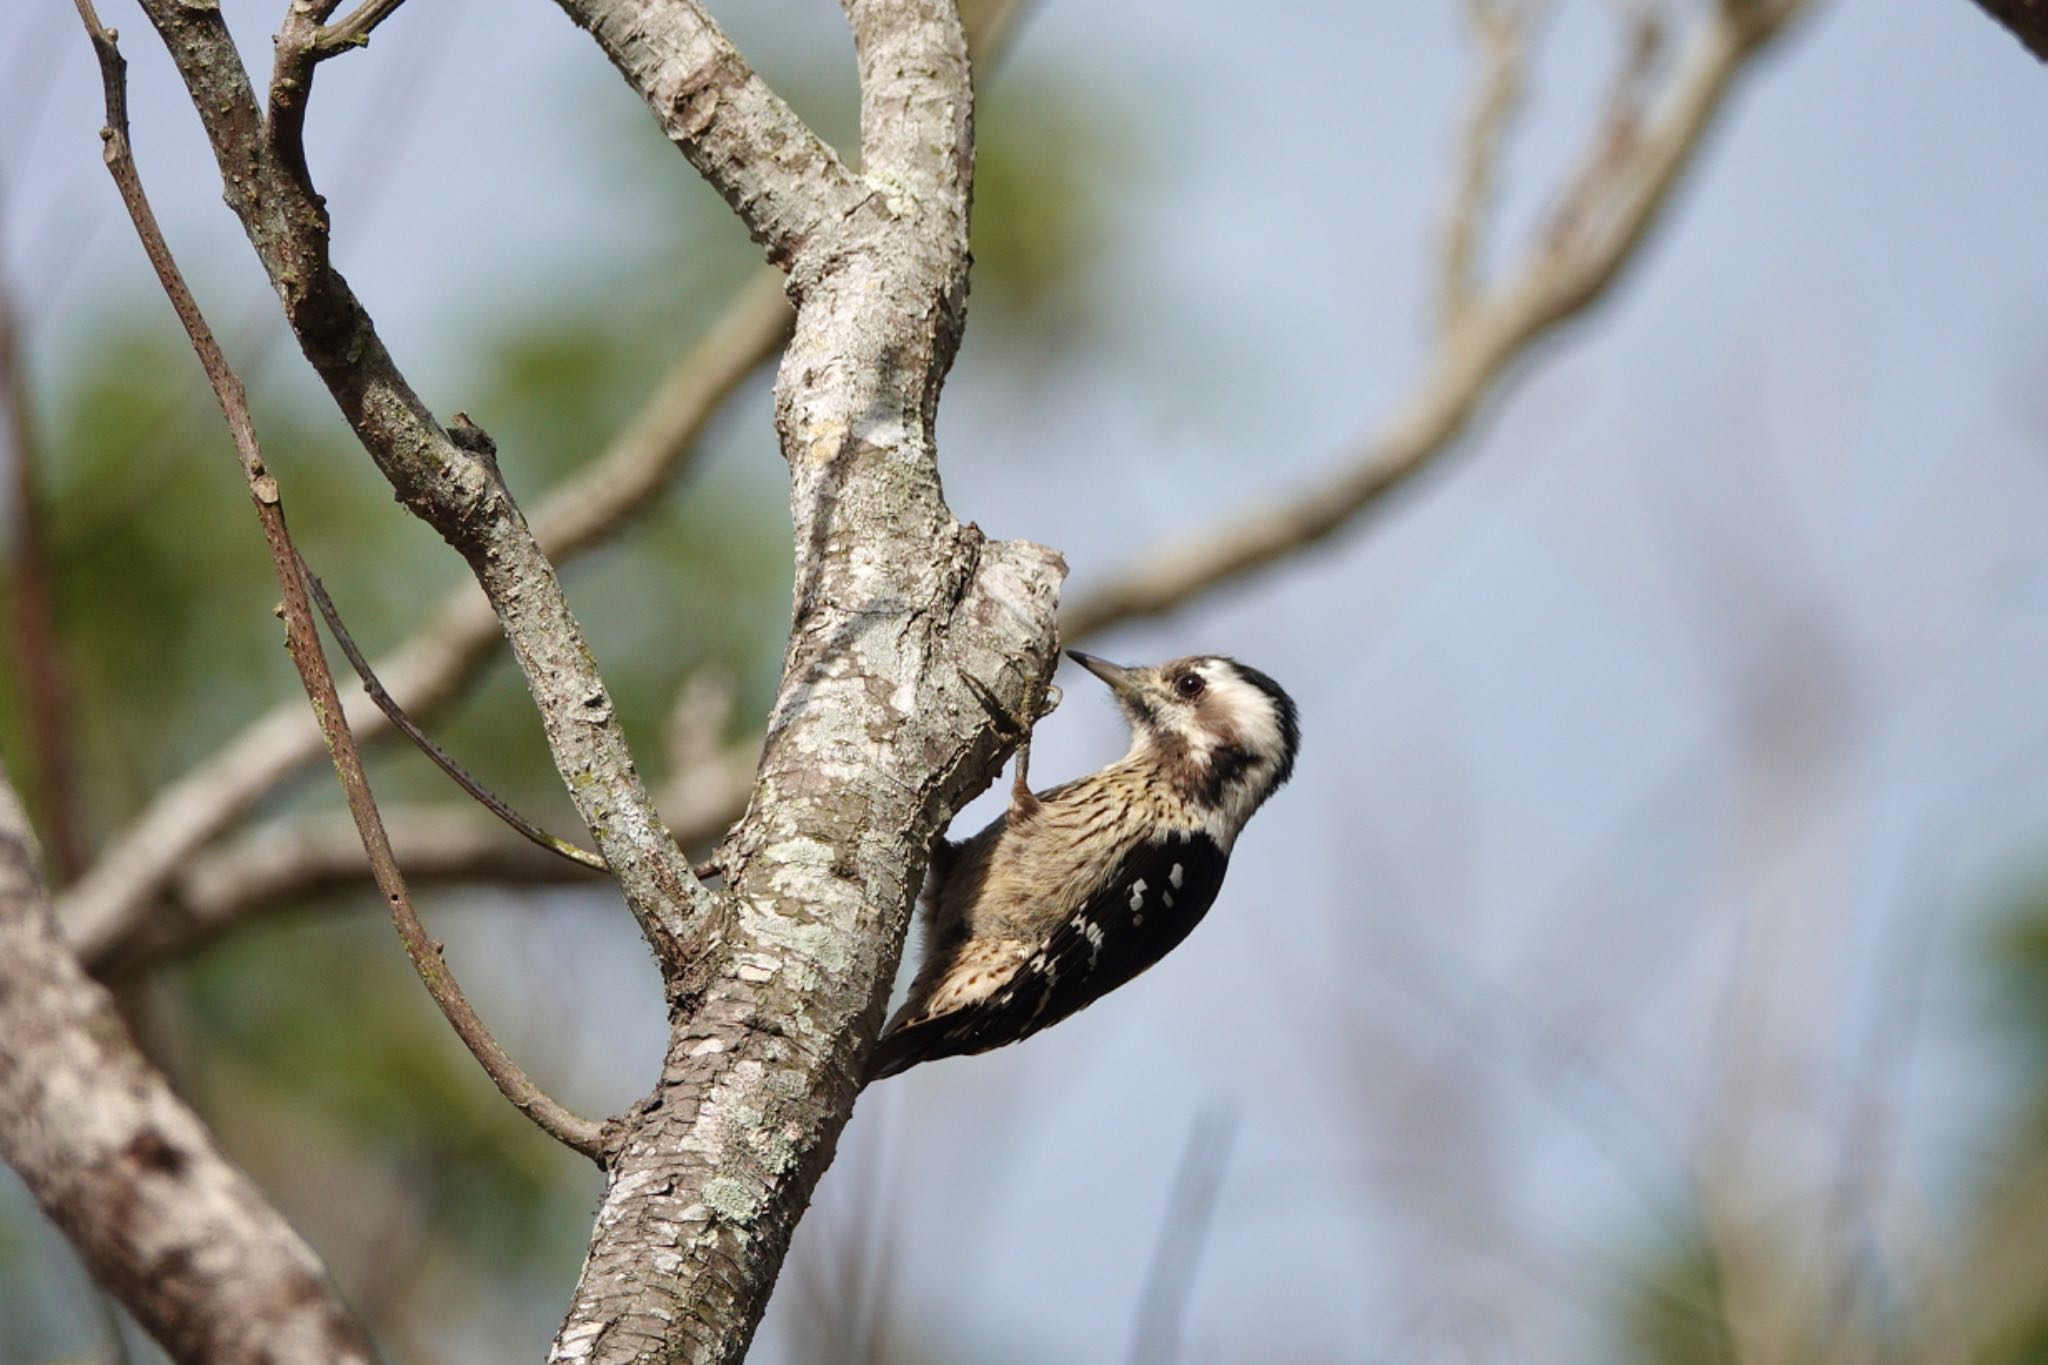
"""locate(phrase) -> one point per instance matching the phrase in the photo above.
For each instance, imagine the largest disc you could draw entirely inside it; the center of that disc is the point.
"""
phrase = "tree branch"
(184, 1239)
(1501, 29)
(116, 898)
(1558, 279)
(354, 28)
(302, 635)
(288, 862)
(781, 179)
(875, 740)
(424, 742)
(452, 485)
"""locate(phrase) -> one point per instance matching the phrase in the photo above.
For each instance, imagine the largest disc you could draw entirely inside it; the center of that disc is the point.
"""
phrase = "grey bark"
(180, 1235)
(875, 738)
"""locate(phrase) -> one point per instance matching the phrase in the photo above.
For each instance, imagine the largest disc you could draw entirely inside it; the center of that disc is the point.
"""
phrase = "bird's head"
(1224, 732)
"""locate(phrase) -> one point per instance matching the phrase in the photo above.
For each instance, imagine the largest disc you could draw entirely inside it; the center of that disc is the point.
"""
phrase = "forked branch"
(302, 635)
(1621, 192)
(452, 485)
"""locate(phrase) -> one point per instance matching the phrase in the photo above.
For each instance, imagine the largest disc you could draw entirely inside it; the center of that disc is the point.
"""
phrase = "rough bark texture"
(874, 740)
(915, 644)
(182, 1237)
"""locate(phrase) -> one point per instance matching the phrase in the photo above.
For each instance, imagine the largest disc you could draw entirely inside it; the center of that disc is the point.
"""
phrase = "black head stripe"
(1226, 765)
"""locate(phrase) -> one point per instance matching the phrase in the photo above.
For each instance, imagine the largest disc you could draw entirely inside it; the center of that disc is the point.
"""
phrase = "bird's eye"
(1189, 685)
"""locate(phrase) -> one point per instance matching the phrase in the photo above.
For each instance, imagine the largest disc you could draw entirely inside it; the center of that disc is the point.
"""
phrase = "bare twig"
(353, 29)
(1501, 29)
(302, 635)
(1604, 158)
(452, 484)
(38, 656)
(177, 1232)
(296, 860)
(489, 800)
(1556, 281)
(114, 899)
(289, 861)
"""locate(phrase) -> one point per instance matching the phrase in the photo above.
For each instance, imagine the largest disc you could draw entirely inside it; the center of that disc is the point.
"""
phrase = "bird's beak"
(1125, 682)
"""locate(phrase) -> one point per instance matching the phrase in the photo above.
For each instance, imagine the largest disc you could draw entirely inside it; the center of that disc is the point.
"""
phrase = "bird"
(1074, 891)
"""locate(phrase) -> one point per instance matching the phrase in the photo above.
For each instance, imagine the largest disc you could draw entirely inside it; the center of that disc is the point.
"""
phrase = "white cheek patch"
(1251, 711)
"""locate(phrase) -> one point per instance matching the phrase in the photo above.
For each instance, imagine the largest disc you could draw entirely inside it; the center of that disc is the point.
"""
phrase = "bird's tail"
(903, 1046)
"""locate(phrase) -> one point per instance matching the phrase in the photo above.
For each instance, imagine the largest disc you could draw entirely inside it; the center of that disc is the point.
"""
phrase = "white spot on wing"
(1174, 876)
(1138, 894)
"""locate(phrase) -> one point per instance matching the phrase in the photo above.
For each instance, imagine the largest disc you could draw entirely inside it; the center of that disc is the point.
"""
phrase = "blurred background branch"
(188, 1243)
(1601, 225)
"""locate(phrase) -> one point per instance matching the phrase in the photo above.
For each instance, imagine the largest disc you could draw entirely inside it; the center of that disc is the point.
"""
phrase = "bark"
(174, 1230)
(874, 741)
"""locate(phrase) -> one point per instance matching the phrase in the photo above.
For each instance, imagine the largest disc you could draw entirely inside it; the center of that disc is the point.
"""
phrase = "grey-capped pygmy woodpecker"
(1074, 891)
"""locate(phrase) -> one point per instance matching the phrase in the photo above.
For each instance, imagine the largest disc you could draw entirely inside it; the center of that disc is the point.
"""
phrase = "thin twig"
(459, 637)
(1554, 282)
(352, 29)
(301, 634)
(1501, 29)
(1604, 159)
(452, 484)
(424, 742)
(37, 654)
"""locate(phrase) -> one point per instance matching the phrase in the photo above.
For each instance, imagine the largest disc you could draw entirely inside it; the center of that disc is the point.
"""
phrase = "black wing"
(1159, 894)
